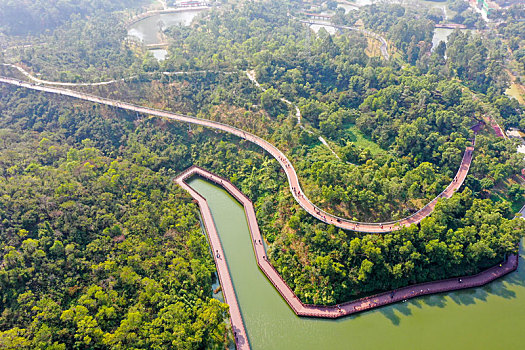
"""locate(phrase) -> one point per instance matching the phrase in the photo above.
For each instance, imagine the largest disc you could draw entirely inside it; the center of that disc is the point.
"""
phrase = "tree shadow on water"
(518, 277)
(436, 300)
(390, 311)
(468, 296)
(502, 287)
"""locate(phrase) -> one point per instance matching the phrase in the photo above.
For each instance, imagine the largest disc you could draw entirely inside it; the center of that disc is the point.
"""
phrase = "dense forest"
(19, 17)
(98, 247)
(413, 124)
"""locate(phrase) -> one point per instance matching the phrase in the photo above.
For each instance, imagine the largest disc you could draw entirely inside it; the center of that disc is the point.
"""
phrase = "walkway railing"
(350, 307)
(293, 180)
(230, 298)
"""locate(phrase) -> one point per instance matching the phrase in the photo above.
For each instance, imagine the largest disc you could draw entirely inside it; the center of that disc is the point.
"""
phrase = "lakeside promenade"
(286, 164)
(286, 292)
(333, 311)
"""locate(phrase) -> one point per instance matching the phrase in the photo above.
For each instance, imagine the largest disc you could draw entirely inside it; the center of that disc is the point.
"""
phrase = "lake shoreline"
(349, 307)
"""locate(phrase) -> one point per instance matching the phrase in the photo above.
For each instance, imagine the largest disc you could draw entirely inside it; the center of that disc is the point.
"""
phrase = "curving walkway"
(107, 82)
(48, 82)
(286, 165)
(333, 311)
(241, 337)
(250, 74)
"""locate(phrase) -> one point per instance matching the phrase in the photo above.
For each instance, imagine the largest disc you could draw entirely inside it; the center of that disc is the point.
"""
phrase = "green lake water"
(492, 317)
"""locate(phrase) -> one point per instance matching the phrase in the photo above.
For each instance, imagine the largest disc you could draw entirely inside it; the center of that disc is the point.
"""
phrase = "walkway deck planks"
(285, 163)
(350, 307)
(299, 308)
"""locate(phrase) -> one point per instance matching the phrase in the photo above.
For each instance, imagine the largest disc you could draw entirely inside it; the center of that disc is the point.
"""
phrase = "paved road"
(286, 292)
(287, 166)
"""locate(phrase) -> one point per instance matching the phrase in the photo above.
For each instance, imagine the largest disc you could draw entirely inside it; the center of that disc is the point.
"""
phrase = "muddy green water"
(492, 317)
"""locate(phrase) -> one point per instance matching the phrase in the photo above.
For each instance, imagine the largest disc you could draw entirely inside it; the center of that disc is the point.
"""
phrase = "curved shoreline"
(152, 13)
(350, 307)
(286, 165)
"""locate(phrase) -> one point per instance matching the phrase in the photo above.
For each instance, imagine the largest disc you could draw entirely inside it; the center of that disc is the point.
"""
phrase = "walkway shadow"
(240, 338)
(500, 287)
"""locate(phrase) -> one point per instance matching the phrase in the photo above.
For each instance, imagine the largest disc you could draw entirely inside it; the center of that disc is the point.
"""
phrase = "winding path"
(287, 166)
(287, 293)
(250, 74)
(107, 82)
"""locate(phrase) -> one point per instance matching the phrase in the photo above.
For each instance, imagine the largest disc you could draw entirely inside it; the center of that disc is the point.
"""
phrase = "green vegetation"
(83, 49)
(23, 17)
(99, 249)
(360, 140)
(463, 236)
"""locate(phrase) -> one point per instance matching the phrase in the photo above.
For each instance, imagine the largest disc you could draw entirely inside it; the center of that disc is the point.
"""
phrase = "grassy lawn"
(498, 197)
(361, 140)
(517, 92)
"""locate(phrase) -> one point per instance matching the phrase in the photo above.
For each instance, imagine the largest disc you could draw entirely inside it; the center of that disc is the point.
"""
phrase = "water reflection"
(147, 30)
(159, 54)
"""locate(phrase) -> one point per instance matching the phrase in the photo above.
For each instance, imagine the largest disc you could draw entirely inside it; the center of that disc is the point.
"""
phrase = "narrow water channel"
(492, 317)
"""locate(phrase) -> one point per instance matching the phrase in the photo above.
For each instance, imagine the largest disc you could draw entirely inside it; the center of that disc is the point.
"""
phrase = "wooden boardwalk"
(333, 311)
(285, 163)
(260, 253)
(241, 337)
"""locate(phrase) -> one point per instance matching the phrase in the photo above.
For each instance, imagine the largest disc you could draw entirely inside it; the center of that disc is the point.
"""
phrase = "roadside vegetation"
(98, 248)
